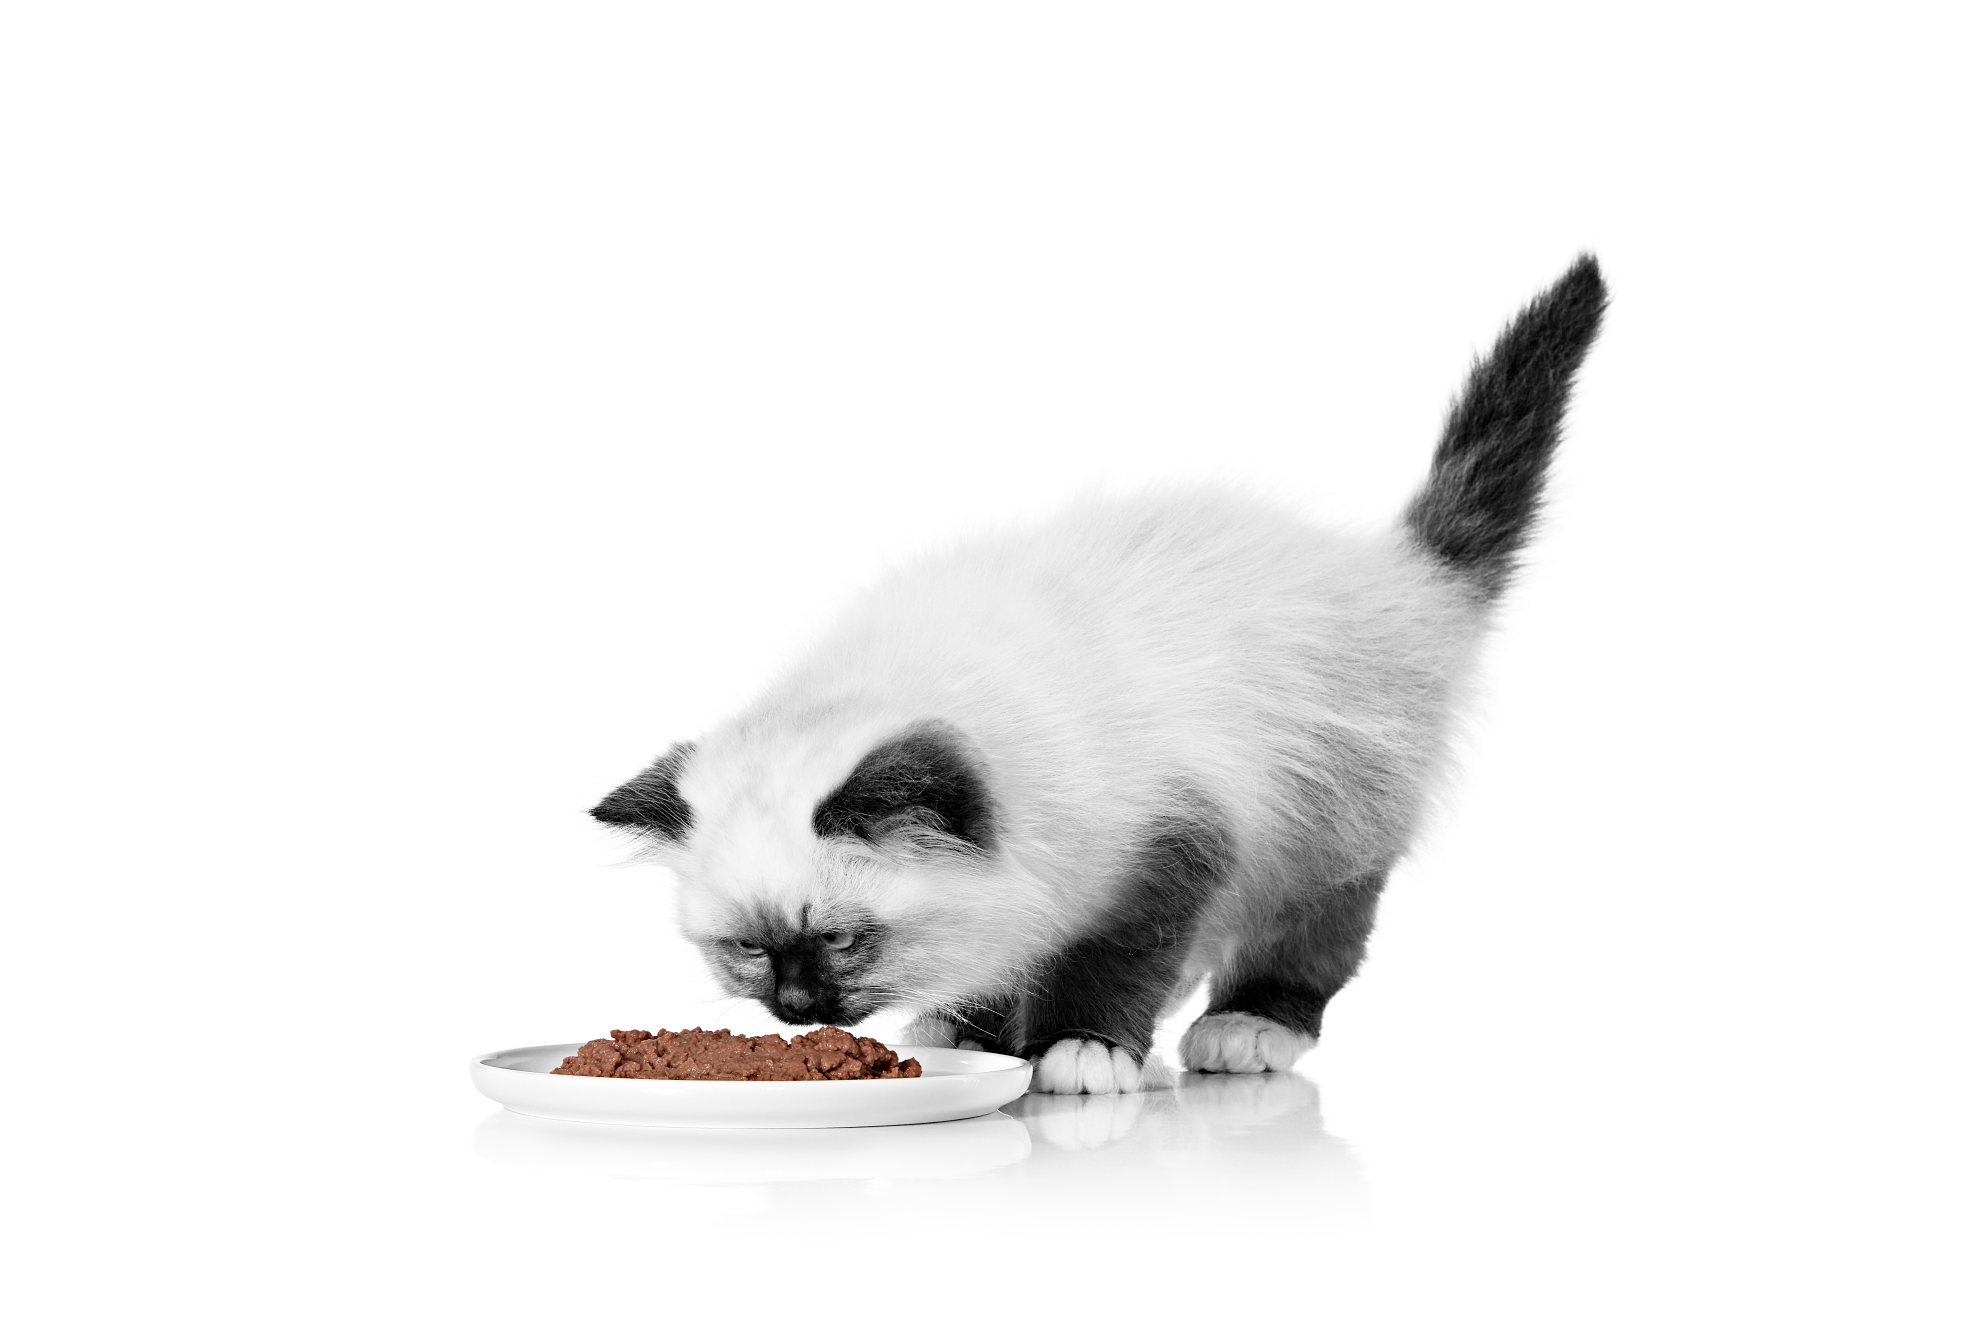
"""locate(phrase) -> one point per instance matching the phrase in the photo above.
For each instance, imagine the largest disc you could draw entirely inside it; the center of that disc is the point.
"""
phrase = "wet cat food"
(825, 1055)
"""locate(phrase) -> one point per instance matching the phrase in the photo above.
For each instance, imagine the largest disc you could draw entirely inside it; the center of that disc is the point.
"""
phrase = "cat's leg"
(930, 1029)
(1266, 1002)
(1088, 1020)
(980, 1026)
(986, 1026)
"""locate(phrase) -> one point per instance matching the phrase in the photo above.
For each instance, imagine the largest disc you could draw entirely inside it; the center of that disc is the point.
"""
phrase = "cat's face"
(829, 963)
(825, 878)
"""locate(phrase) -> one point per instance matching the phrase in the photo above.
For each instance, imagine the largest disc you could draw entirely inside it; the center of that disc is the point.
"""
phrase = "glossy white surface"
(954, 1084)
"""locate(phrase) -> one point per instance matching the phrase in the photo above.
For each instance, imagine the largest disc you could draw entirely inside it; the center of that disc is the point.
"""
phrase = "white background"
(416, 417)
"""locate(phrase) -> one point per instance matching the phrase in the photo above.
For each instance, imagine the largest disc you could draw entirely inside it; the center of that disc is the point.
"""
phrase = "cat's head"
(831, 867)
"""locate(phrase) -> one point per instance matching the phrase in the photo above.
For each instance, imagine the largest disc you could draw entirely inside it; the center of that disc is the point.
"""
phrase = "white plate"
(953, 1084)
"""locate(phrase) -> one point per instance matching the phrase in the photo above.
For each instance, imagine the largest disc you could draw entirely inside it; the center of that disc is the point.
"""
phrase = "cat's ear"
(651, 800)
(924, 778)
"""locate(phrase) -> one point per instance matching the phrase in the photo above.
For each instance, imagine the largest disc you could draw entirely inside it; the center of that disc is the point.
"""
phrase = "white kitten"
(1038, 787)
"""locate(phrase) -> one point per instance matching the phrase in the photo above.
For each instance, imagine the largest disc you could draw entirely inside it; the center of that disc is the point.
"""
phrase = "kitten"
(1038, 787)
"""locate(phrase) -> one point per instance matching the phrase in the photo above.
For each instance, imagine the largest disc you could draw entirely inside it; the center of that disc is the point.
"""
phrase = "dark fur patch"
(1112, 984)
(806, 989)
(798, 976)
(650, 801)
(923, 777)
(1477, 509)
(1313, 950)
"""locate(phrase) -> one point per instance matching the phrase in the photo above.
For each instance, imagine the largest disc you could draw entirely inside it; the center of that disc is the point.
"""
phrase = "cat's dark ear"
(651, 801)
(926, 777)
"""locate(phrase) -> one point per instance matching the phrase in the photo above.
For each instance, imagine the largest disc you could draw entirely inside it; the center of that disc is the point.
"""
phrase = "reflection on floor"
(1218, 1137)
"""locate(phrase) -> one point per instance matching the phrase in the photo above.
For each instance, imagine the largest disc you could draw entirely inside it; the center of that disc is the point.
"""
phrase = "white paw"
(1241, 1043)
(1091, 1067)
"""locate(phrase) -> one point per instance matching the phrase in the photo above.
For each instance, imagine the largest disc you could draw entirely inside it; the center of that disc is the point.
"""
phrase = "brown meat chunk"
(825, 1055)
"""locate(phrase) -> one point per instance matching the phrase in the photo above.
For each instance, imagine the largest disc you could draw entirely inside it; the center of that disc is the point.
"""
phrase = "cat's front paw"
(1093, 1067)
(1241, 1043)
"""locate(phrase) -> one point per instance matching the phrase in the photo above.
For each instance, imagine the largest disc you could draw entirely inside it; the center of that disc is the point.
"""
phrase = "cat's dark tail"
(1477, 509)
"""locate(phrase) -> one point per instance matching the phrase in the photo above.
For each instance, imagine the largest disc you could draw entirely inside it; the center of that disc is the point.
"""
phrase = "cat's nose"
(795, 999)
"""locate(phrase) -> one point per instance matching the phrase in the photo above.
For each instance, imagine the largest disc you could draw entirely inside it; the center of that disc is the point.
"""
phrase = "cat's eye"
(748, 950)
(837, 939)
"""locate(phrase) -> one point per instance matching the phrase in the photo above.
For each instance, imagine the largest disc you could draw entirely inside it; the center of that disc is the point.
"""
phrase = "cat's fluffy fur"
(1038, 787)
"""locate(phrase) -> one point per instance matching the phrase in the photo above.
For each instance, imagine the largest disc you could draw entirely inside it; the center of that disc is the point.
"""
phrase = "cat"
(1035, 789)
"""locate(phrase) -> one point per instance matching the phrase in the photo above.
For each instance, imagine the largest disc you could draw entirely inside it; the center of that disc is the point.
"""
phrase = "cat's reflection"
(1245, 1131)
(1237, 1102)
(1200, 1106)
(1079, 1122)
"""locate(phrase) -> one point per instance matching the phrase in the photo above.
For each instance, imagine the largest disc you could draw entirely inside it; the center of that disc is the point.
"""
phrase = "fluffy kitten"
(1038, 787)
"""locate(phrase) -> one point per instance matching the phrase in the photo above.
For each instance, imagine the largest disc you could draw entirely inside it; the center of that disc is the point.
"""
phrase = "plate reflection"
(728, 1156)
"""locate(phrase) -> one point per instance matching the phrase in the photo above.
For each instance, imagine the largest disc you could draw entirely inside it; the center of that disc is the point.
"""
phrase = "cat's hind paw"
(1093, 1067)
(1241, 1043)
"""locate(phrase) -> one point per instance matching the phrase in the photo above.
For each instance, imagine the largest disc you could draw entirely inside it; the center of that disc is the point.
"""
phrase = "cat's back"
(1102, 659)
(1147, 592)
